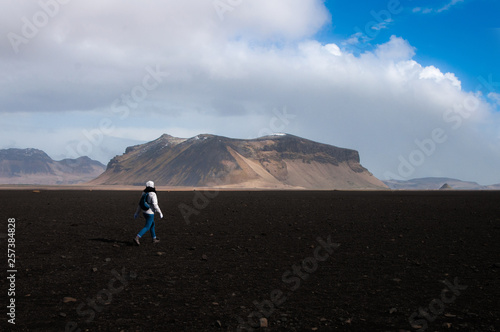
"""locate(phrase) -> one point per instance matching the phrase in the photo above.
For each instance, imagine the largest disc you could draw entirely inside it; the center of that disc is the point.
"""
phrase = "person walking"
(148, 204)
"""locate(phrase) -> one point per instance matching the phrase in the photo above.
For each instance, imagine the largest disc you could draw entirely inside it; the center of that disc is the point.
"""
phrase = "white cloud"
(495, 97)
(395, 50)
(333, 49)
(435, 74)
(226, 77)
(449, 5)
(292, 19)
(356, 38)
(382, 25)
(444, 8)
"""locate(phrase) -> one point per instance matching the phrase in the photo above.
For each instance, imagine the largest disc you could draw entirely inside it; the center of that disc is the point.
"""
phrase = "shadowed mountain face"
(278, 161)
(32, 166)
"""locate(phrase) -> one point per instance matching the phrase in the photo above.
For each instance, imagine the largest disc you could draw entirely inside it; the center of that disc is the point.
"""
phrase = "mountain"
(276, 161)
(32, 166)
(437, 183)
(446, 186)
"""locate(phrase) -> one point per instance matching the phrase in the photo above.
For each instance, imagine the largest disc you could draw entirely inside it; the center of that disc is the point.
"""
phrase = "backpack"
(143, 202)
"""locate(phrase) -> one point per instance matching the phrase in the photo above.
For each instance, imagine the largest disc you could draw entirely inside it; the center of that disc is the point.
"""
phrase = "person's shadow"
(127, 243)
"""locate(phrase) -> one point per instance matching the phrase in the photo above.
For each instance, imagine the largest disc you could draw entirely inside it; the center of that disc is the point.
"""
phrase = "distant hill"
(432, 183)
(446, 186)
(276, 161)
(32, 166)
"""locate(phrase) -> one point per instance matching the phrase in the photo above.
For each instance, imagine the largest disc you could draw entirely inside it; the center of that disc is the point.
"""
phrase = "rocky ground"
(228, 259)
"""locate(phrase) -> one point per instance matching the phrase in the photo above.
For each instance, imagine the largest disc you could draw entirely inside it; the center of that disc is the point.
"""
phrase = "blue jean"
(150, 225)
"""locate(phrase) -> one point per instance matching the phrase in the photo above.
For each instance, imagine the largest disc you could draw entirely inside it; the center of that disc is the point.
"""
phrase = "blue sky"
(460, 37)
(416, 93)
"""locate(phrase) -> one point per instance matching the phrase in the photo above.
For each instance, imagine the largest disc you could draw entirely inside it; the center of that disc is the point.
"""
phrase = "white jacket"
(152, 199)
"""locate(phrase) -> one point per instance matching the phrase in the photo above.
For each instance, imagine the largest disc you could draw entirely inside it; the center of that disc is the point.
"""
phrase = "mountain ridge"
(275, 161)
(435, 183)
(34, 166)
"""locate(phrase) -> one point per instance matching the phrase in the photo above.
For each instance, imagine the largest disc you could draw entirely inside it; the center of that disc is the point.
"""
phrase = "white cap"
(150, 184)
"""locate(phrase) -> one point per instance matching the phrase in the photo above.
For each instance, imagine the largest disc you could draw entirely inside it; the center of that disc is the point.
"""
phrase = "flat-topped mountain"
(276, 161)
(33, 166)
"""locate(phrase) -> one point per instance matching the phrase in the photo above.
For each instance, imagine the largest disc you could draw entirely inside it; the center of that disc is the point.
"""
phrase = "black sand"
(242, 254)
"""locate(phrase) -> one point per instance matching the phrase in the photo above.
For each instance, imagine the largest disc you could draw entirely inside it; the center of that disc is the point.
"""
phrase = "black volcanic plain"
(238, 253)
